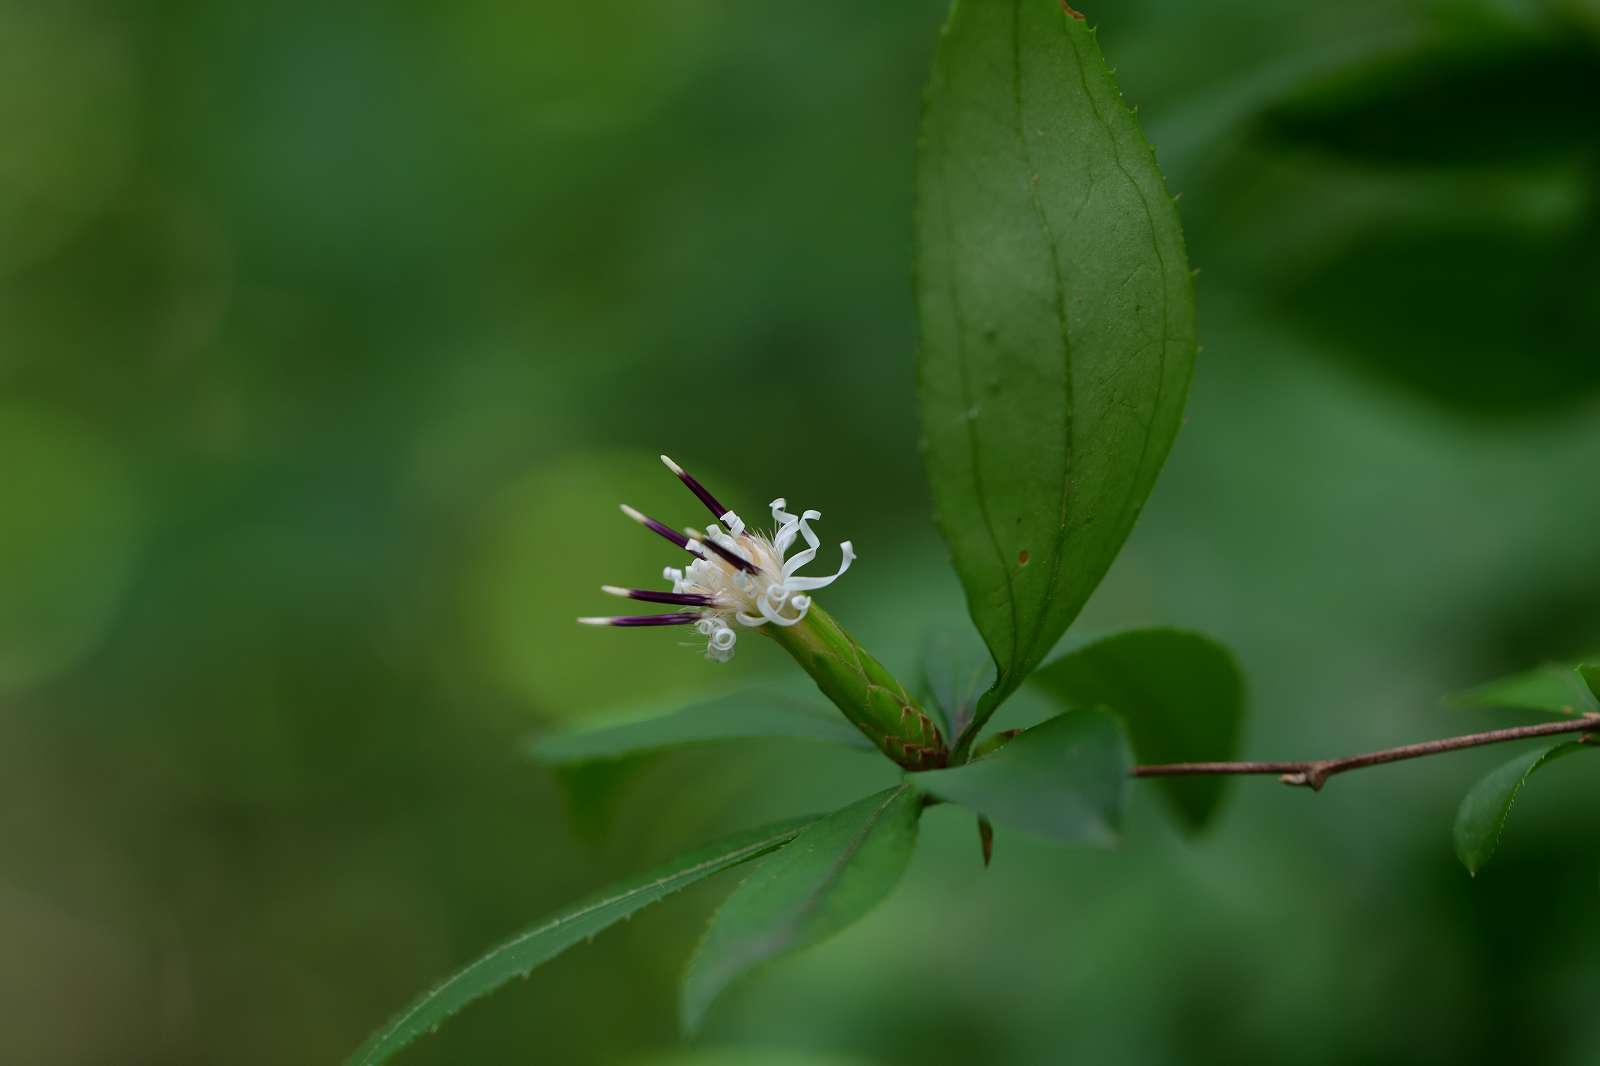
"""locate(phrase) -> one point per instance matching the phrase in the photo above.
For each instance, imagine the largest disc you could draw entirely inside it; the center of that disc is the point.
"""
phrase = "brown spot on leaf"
(1023, 557)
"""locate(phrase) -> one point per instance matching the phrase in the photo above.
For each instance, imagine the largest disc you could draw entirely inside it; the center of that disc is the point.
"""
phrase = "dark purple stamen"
(681, 618)
(716, 508)
(685, 599)
(659, 528)
(732, 556)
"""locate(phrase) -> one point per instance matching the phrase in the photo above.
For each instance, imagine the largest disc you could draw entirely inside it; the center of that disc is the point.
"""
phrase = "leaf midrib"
(1058, 549)
(809, 903)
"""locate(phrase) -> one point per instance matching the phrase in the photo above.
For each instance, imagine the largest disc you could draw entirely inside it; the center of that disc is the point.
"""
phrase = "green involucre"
(860, 686)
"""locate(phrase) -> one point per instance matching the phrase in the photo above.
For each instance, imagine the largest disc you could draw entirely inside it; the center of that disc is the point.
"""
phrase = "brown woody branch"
(1314, 775)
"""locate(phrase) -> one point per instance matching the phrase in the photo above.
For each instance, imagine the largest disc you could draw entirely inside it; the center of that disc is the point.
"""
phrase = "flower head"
(735, 576)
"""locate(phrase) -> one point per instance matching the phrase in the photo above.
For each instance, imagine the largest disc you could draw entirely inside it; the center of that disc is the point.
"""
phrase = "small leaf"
(1057, 320)
(833, 874)
(1179, 694)
(956, 669)
(1590, 672)
(1553, 687)
(1482, 817)
(754, 714)
(518, 956)
(1063, 779)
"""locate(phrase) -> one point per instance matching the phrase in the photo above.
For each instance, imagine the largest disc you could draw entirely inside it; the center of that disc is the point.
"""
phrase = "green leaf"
(1482, 817)
(1179, 694)
(1553, 687)
(755, 714)
(1063, 779)
(956, 669)
(833, 874)
(1590, 672)
(1057, 320)
(518, 956)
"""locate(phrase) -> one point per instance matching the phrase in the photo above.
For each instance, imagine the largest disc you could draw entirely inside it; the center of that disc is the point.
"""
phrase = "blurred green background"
(331, 335)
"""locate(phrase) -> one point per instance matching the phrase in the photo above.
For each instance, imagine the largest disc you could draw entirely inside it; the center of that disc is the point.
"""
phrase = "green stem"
(864, 690)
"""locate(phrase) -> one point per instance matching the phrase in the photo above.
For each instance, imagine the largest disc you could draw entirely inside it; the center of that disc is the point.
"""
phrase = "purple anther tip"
(659, 528)
(716, 509)
(679, 618)
(683, 599)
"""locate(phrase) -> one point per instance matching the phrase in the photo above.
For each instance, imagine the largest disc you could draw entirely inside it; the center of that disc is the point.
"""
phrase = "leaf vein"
(1155, 243)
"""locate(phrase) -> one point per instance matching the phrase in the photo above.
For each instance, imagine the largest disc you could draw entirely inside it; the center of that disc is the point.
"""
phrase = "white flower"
(735, 576)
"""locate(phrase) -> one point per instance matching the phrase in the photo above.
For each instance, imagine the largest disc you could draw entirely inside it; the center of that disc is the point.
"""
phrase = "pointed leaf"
(833, 874)
(1179, 694)
(1553, 687)
(1062, 779)
(1482, 817)
(1057, 320)
(753, 714)
(542, 942)
(1590, 672)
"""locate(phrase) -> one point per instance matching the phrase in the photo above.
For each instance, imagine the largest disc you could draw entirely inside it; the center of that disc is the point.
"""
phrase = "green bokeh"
(69, 536)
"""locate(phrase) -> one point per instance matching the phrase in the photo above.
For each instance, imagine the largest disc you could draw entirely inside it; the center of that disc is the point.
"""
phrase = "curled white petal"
(771, 607)
(807, 584)
(719, 645)
(813, 543)
(785, 526)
